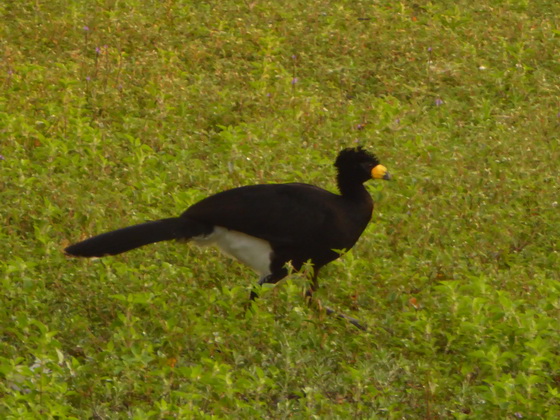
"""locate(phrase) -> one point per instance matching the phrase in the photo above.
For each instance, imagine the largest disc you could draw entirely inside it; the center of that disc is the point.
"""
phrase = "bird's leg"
(276, 277)
(312, 287)
(309, 297)
(253, 295)
(272, 278)
(353, 321)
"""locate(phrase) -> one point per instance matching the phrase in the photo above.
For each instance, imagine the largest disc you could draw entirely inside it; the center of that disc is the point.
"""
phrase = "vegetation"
(117, 112)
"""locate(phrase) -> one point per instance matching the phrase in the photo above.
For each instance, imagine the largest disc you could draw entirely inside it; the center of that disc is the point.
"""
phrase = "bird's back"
(287, 215)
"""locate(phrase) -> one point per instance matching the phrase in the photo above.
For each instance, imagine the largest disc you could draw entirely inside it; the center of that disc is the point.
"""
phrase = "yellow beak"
(380, 172)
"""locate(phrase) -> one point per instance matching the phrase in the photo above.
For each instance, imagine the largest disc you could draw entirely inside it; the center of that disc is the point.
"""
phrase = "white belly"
(251, 251)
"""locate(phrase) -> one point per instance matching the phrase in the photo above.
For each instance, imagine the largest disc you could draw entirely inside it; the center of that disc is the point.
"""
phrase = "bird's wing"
(279, 213)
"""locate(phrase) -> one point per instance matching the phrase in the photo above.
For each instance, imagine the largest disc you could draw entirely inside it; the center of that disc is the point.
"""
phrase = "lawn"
(117, 112)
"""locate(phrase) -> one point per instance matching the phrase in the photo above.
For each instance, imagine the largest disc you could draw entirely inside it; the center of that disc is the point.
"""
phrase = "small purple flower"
(439, 102)
(86, 28)
(429, 49)
(518, 415)
(88, 78)
(294, 57)
(295, 80)
(2, 157)
(558, 115)
(98, 50)
(360, 126)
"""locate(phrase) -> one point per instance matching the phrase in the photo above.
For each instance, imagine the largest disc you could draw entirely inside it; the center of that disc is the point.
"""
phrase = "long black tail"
(125, 239)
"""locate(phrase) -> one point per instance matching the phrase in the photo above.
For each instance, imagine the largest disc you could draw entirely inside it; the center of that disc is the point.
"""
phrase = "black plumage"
(266, 226)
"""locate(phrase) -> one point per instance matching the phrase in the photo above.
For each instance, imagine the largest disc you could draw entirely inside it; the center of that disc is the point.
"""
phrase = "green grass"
(117, 112)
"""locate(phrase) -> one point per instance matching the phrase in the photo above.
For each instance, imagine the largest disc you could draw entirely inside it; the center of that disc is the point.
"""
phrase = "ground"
(117, 112)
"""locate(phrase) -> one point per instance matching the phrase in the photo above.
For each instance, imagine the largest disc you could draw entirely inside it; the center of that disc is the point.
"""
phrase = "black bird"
(266, 226)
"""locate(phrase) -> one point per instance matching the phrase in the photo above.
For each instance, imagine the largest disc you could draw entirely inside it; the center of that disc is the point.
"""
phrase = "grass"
(113, 113)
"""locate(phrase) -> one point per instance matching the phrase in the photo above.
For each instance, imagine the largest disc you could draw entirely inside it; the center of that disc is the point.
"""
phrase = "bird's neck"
(352, 189)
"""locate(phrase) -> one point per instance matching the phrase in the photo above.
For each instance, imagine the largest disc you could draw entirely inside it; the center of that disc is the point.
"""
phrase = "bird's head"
(361, 164)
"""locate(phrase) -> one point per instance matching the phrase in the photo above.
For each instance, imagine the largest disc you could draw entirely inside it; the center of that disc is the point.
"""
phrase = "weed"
(113, 113)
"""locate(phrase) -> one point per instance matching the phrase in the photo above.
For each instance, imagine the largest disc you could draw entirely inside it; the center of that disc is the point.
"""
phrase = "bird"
(272, 228)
